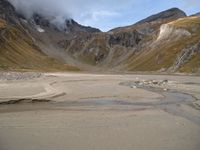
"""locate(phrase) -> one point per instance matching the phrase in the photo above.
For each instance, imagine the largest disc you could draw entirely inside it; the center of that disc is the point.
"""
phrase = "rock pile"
(150, 84)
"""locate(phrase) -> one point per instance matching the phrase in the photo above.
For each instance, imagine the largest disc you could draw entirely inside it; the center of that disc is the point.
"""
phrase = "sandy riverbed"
(95, 112)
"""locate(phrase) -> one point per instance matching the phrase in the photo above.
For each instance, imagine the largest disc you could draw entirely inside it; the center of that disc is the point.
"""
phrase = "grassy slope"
(164, 55)
(192, 65)
(191, 23)
(17, 52)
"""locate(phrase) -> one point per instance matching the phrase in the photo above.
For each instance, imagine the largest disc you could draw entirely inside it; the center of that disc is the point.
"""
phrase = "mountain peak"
(68, 25)
(173, 13)
(73, 26)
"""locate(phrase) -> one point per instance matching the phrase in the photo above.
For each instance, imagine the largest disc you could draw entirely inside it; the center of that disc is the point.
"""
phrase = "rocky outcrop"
(168, 31)
(72, 26)
(125, 39)
(185, 55)
(8, 13)
(6, 10)
(39, 20)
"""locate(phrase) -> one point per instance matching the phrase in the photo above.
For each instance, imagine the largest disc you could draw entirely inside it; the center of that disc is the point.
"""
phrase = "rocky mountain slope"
(166, 42)
(154, 44)
(175, 45)
(17, 48)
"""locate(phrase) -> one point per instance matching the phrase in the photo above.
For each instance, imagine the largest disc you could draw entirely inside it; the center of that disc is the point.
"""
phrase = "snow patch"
(39, 29)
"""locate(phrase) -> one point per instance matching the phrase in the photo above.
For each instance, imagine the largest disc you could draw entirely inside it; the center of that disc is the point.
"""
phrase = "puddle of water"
(170, 103)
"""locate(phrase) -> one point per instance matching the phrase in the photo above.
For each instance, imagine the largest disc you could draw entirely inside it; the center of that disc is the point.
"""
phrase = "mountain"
(197, 14)
(50, 37)
(17, 48)
(165, 42)
(69, 26)
(171, 14)
(165, 16)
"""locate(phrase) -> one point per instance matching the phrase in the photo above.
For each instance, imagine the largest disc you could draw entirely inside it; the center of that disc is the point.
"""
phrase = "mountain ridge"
(152, 44)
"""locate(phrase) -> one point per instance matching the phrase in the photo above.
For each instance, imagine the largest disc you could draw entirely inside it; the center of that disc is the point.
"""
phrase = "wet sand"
(95, 112)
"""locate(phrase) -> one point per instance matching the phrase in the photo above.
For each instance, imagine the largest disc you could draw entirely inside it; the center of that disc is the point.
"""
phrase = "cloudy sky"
(104, 14)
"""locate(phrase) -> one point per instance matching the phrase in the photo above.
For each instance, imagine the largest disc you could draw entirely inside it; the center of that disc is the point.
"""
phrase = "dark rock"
(39, 20)
(125, 39)
(7, 12)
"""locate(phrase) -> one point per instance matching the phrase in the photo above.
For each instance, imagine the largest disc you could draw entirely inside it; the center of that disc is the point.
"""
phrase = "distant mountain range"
(165, 42)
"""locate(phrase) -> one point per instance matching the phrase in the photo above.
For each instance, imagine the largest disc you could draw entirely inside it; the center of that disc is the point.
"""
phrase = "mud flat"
(94, 112)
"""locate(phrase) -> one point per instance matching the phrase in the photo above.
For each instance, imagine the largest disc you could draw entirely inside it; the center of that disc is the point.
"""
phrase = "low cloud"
(104, 14)
(69, 8)
(44, 7)
(83, 10)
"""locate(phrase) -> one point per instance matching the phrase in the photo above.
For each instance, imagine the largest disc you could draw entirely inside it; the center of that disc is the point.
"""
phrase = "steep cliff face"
(126, 39)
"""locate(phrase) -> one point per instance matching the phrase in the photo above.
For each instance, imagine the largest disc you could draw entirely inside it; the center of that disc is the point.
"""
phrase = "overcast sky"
(104, 14)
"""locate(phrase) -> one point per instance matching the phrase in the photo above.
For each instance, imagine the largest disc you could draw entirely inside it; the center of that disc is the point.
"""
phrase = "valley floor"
(59, 111)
